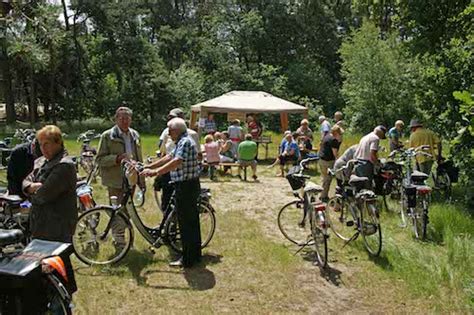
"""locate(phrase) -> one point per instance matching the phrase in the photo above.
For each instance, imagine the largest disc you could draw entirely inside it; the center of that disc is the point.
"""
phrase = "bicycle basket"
(295, 182)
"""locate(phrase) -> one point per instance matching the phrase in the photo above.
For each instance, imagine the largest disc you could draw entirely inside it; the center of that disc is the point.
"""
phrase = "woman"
(51, 188)
(328, 154)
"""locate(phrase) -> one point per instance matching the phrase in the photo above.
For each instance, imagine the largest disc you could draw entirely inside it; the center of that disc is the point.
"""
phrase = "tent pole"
(192, 124)
(284, 121)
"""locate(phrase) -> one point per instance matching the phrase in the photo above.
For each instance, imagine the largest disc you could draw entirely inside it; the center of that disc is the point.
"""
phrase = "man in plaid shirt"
(183, 167)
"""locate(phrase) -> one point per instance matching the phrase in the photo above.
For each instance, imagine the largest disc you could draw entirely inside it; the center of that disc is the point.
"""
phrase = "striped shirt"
(185, 151)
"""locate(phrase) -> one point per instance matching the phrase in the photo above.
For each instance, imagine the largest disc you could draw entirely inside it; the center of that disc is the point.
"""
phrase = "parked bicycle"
(25, 135)
(293, 217)
(388, 182)
(88, 153)
(416, 194)
(443, 176)
(353, 211)
(33, 279)
(94, 242)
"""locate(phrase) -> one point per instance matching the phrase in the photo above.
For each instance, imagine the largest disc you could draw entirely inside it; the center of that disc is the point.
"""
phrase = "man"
(21, 164)
(254, 128)
(342, 161)
(116, 144)
(210, 126)
(51, 188)
(247, 153)
(325, 126)
(328, 154)
(367, 153)
(423, 136)
(182, 164)
(395, 134)
(167, 146)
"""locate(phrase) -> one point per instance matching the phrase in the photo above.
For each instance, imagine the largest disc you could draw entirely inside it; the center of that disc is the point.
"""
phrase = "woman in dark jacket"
(51, 188)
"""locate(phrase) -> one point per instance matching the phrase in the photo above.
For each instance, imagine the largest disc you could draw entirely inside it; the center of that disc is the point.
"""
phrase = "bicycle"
(88, 153)
(444, 175)
(416, 194)
(388, 181)
(94, 241)
(33, 279)
(293, 216)
(353, 208)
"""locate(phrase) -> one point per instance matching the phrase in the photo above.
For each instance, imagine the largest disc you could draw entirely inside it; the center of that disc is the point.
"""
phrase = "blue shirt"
(187, 153)
(288, 146)
(210, 126)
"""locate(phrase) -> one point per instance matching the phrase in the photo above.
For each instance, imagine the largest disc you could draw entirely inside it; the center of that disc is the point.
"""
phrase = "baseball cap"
(176, 112)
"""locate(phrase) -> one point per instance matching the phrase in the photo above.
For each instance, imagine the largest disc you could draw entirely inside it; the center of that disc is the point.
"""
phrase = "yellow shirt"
(423, 136)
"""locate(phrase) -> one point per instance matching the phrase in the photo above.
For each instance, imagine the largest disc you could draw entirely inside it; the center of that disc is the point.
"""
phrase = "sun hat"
(415, 123)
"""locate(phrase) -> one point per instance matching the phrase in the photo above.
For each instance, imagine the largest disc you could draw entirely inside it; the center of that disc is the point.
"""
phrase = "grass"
(249, 268)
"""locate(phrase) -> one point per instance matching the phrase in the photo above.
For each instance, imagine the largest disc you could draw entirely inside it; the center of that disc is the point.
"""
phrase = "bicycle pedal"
(350, 223)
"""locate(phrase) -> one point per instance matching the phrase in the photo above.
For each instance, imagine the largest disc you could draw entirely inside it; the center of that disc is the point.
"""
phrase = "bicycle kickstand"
(303, 246)
(353, 238)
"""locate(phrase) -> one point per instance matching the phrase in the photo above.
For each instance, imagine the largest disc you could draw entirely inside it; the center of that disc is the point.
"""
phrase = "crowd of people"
(43, 172)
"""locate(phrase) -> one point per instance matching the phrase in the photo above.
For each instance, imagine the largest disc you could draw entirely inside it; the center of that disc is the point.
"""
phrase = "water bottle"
(138, 198)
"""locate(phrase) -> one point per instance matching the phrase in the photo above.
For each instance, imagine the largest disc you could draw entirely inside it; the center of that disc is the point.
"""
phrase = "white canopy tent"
(248, 102)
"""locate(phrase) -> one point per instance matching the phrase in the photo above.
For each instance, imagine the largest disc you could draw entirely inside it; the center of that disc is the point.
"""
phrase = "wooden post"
(192, 123)
(284, 121)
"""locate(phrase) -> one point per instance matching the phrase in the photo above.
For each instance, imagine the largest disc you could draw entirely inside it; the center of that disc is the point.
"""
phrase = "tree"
(379, 80)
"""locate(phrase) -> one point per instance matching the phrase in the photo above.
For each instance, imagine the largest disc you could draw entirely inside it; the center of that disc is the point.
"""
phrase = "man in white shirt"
(367, 152)
(325, 126)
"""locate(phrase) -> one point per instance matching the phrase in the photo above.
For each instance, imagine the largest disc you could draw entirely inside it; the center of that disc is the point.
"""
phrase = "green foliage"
(380, 81)
(462, 146)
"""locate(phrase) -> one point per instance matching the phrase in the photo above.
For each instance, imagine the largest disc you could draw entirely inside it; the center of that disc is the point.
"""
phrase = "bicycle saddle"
(312, 187)
(8, 237)
(80, 183)
(356, 179)
(366, 193)
(419, 175)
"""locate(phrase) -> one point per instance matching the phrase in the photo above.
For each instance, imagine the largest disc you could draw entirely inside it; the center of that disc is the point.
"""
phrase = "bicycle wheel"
(207, 222)
(370, 230)
(292, 223)
(320, 240)
(340, 218)
(420, 218)
(93, 245)
(55, 302)
(403, 210)
(442, 184)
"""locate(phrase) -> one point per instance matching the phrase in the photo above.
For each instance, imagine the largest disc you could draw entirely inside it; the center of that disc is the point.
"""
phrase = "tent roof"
(249, 102)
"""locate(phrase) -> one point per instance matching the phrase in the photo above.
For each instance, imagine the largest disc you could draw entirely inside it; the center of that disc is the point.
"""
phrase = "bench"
(265, 141)
(229, 164)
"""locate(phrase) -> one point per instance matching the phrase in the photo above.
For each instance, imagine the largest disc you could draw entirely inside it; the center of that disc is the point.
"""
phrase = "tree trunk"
(32, 105)
(8, 90)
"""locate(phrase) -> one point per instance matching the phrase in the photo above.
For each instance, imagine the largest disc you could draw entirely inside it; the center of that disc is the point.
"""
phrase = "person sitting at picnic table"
(305, 137)
(247, 152)
(280, 149)
(236, 134)
(211, 148)
(225, 152)
(210, 126)
(289, 152)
